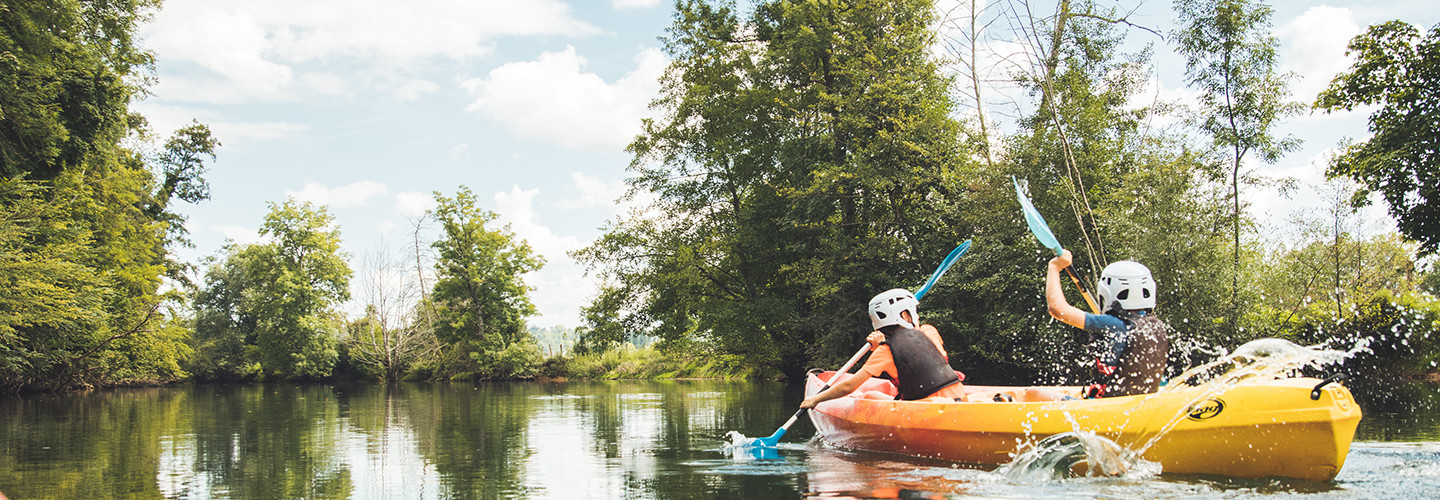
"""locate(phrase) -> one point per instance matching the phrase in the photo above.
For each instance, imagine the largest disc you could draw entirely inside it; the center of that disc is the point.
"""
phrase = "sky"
(368, 107)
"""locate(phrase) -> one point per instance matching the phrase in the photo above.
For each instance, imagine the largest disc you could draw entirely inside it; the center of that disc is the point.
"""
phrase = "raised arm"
(1055, 295)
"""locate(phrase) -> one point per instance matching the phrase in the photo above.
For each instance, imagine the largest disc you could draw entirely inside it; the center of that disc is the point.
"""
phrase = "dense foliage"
(1398, 70)
(270, 309)
(806, 158)
(806, 155)
(86, 224)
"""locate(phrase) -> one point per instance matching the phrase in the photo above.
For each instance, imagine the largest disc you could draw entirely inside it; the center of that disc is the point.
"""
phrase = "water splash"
(1084, 453)
(1265, 359)
(1075, 454)
(737, 440)
(741, 448)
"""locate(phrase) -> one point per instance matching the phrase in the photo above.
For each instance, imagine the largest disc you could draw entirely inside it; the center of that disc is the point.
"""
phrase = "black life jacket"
(923, 370)
(1142, 366)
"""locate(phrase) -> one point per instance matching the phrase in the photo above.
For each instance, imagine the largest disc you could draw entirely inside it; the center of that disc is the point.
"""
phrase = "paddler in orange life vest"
(909, 354)
(1133, 342)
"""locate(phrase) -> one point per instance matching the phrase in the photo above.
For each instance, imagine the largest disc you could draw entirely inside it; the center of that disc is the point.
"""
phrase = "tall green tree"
(301, 279)
(1397, 69)
(803, 162)
(1231, 58)
(275, 304)
(480, 294)
(67, 74)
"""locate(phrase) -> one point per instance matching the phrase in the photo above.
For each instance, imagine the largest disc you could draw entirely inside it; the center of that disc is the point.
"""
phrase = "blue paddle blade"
(769, 441)
(1037, 224)
(944, 266)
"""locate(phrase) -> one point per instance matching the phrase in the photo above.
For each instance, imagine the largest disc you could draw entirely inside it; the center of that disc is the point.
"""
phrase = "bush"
(1393, 335)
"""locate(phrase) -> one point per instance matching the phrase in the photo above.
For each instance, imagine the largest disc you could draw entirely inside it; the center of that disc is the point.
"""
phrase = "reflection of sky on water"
(177, 476)
(383, 464)
(388, 464)
(561, 457)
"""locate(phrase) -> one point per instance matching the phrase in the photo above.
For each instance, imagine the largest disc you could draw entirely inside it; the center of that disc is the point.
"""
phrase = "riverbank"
(649, 363)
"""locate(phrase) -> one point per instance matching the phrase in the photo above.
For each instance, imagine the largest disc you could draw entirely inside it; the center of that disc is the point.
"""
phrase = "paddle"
(1041, 230)
(773, 439)
(945, 265)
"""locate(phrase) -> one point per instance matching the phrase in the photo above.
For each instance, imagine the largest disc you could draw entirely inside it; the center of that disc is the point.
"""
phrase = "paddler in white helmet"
(1133, 342)
(904, 351)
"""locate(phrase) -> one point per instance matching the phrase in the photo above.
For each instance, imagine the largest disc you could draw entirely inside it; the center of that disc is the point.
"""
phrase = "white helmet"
(885, 309)
(1127, 283)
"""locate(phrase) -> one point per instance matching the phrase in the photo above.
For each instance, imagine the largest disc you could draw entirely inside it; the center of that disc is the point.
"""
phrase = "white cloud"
(326, 83)
(353, 195)
(553, 100)
(164, 120)
(594, 192)
(230, 43)
(1313, 46)
(517, 208)
(561, 285)
(238, 234)
(256, 130)
(460, 151)
(413, 90)
(249, 48)
(413, 204)
(633, 4)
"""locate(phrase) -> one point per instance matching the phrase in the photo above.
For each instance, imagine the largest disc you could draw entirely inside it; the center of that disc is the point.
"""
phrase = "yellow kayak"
(1256, 428)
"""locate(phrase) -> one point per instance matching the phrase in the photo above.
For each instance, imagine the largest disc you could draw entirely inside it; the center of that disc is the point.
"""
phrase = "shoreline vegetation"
(803, 157)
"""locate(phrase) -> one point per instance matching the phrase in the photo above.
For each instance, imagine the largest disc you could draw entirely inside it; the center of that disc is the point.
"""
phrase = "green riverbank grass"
(651, 363)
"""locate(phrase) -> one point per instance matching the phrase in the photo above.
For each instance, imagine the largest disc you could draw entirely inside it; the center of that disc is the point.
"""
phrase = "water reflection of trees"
(268, 441)
(611, 440)
(100, 444)
(475, 435)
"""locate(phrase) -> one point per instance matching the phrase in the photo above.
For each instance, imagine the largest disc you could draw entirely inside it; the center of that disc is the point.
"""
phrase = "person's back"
(909, 354)
(1134, 343)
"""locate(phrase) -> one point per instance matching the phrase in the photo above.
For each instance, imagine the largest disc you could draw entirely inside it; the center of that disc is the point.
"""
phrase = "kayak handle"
(1315, 394)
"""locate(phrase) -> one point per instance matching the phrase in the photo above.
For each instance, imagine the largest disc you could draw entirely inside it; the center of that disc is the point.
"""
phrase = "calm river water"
(562, 440)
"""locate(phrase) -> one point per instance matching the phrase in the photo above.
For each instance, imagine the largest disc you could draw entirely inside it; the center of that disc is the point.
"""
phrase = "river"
(616, 439)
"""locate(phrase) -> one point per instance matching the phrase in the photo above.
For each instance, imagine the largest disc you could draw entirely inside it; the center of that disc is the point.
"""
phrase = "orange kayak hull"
(1257, 429)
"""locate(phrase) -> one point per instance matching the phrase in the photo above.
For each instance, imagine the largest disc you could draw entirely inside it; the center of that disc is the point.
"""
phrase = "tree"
(225, 318)
(803, 161)
(67, 74)
(1398, 70)
(275, 303)
(300, 279)
(1334, 263)
(480, 295)
(85, 202)
(391, 337)
(1230, 57)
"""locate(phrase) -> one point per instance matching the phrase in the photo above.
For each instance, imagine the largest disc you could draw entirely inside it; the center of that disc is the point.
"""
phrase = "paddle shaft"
(1083, 293)
(944, 266)
(858, 354)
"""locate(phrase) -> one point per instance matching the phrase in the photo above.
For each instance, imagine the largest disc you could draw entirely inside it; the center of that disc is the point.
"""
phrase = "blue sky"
(368, 106)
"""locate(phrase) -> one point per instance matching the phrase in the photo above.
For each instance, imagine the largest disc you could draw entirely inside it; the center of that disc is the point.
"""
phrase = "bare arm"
(850, 383)
(841, 389)
(1055, 295)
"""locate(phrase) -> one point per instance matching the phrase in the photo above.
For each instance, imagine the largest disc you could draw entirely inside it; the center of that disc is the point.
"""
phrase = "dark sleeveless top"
(1142, 366)
(922, 369)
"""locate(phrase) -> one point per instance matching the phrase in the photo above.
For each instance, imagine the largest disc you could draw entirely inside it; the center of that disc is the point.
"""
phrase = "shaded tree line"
(808, 155)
